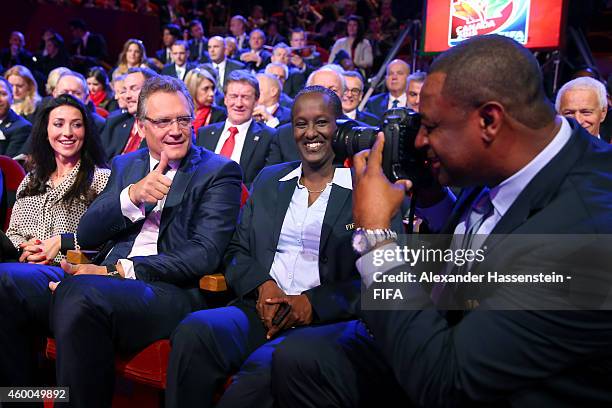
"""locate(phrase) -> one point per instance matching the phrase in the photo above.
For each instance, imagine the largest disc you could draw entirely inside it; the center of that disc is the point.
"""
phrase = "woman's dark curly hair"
(43, 156)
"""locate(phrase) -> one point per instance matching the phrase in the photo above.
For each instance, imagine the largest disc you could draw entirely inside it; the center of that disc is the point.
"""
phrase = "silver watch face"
(360, 242)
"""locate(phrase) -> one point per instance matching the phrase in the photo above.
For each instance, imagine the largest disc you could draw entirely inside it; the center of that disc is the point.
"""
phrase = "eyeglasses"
(163, 123)
(354, 91)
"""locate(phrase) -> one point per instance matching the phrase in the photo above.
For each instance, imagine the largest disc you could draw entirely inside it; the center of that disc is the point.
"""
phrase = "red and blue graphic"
(469, 18)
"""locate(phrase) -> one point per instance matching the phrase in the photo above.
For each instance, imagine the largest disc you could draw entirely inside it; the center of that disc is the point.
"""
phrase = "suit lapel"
(250, 142)
(283, 199)
(210, 140)
(123, 135)
(542, 188)
(338, 198)
(179, 185)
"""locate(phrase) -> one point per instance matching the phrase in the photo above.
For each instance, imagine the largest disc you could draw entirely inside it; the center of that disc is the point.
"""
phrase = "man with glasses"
(162, 222)
(352, 97)
(121, 134)
(240, 138)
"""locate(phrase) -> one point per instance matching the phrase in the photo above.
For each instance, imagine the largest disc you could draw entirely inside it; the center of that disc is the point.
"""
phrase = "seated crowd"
(147, 164)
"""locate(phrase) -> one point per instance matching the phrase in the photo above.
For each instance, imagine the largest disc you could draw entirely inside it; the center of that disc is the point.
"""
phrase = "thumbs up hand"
(154, 186)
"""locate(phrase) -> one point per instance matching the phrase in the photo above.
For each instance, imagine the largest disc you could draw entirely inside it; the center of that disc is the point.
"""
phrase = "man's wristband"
(111, 271)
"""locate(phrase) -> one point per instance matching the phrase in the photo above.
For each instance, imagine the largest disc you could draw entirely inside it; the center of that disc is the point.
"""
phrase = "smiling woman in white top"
(69, 173)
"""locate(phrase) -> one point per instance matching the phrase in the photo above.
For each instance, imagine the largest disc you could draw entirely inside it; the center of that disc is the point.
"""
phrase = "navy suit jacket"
(367, 118)
(197, 221)
(283, 114)
(194, 50)
(377, 105)
(170, 69)
(520, 358)
(296, 81)
(285, 100)
(16, 131)
(252, 66)
(251, 252)
(217, 114)
(116, 133)
(255, 149)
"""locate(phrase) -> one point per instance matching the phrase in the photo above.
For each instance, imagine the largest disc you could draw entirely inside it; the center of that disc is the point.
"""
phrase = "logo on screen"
(469, 18)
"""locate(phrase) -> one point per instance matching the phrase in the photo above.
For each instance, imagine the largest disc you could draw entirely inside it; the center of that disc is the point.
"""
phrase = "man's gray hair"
(584, 84)
(355, 74)
(337, 69)
(418, 76)
(81, 79)
(274, 81)
(161, 83)
(278, 64)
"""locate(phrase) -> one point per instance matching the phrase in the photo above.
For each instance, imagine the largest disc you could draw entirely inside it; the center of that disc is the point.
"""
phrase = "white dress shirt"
(402, 101)
(273, 121)
(220, 67)
(296, 262)
(239, 138)
(180, 71)
(352, 114)
(145, 243)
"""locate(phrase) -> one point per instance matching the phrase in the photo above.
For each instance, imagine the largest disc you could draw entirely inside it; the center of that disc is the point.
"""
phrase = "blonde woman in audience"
(53, 77)
(68, 174)
(132, 55)
(202, 85)
(25, 91)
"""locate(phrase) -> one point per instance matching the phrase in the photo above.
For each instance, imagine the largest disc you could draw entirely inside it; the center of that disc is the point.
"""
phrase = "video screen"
(533, 23)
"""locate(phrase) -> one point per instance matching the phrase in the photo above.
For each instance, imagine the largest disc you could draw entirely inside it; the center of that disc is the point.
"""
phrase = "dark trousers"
(210, 345)
(91, 317)
(336, 365)
(24, 318)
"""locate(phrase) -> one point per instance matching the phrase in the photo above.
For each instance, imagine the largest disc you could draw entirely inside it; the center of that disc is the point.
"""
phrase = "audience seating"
(149, 366)
(13, 174)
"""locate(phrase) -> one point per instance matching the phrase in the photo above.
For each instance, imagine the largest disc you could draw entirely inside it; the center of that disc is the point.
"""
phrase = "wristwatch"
(364, 240)
(111, 271)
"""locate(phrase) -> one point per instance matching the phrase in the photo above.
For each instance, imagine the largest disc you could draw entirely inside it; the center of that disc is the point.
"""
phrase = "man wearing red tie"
(120, 134)
(240, 138)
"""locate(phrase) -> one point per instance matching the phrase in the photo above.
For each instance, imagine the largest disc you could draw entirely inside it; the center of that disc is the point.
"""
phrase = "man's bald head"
(328, 78)
(496, 68)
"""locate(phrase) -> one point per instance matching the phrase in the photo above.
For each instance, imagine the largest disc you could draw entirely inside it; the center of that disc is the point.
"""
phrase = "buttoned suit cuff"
(129, 210)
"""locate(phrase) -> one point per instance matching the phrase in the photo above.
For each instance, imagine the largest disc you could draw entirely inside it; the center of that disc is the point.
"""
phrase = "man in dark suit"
(121, 134)
(281, 71)
(14, 130)
(88, 49)
(170, 34)
(532, 167)
(16, 54)
(75, 84)
(180, 65)
(221, 65)
(268, 260)
(198, 44)
(256, 57)
(396, 82)
(294, 78)
(303, 57)
(268, 109)
(166, 215)
(352, 98)
(238, 27)
(240, 137)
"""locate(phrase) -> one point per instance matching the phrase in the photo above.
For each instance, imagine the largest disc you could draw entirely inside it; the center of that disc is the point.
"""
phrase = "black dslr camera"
(401, 159)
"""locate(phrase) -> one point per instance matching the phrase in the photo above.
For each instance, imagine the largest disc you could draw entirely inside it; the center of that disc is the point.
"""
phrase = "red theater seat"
(13, 174)
(149, 366)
